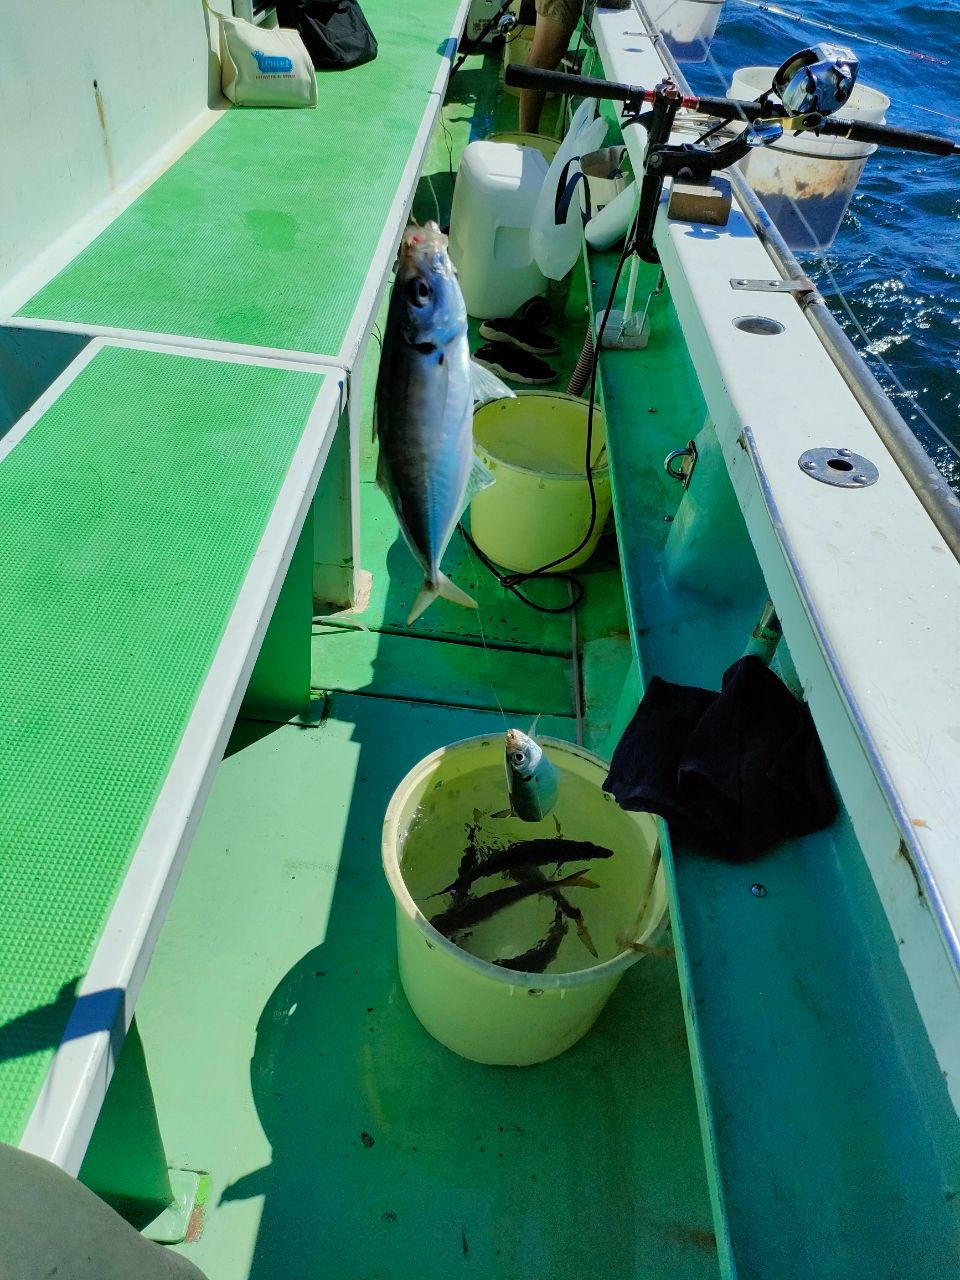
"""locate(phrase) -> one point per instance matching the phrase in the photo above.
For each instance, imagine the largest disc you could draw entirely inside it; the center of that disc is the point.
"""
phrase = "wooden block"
(700, 201)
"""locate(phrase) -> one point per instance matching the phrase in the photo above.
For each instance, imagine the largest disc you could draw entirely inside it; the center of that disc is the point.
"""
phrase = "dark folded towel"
(735, 771)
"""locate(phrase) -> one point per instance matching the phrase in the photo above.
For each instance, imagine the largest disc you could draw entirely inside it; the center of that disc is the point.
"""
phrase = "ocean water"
(895, 262)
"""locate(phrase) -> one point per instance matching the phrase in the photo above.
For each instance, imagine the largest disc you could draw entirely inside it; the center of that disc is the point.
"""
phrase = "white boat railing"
(934, 493)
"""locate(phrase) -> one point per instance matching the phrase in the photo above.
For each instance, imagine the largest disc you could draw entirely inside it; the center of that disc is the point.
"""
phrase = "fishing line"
(436, 202)
(842, 31)
(486, 656)
(576, 671)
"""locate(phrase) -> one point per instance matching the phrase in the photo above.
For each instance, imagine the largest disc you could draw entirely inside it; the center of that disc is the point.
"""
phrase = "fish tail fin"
(576, 880)
(442, 587)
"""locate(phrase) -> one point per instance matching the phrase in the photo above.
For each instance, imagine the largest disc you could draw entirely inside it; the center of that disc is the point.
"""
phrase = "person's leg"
(556, 21)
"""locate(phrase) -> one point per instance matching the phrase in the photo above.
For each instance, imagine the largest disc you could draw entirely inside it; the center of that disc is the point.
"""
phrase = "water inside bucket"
(539, 432)
(455, 816)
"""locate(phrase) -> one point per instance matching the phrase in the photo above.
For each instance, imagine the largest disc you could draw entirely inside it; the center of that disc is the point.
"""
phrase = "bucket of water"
(440, 815)
(805, 183)
(540, 508)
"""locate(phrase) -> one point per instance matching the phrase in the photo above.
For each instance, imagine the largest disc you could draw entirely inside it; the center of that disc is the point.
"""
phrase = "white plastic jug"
(493, 204)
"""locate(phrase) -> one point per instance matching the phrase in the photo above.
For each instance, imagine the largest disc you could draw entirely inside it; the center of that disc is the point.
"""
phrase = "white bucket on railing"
(473, 1006)
(805, 183)
(687, 26)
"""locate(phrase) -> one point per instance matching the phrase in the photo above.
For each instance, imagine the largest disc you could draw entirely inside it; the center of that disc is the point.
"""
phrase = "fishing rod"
(842, 31)
(808, 89)
(735, 109)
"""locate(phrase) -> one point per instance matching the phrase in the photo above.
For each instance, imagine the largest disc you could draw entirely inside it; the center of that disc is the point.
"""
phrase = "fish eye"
(420, 292)
(517, 757)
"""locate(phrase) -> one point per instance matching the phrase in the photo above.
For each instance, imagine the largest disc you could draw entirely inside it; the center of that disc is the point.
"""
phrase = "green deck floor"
(344, 1143)
(132, 593)
(302, 194)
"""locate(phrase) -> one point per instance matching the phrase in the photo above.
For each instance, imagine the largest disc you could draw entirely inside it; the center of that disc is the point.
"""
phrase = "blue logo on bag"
(270, 65)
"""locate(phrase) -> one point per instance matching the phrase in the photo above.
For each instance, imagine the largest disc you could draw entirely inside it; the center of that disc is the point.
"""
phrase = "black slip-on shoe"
(520, 333)
(515, 365)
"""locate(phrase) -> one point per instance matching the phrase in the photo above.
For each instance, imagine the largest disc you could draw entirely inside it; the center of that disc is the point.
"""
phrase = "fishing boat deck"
(337, 1137)
(291, 261)
(780, 1091)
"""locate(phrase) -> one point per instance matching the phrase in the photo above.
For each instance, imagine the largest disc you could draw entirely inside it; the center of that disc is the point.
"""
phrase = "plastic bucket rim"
(508, 977)
(579, 477)
(860, 90)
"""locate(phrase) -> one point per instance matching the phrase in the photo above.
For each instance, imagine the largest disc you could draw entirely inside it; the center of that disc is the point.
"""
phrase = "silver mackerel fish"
(424, 407)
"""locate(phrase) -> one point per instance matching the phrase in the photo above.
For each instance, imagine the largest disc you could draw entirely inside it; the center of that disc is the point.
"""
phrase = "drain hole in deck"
(758, 324)
(839, 464)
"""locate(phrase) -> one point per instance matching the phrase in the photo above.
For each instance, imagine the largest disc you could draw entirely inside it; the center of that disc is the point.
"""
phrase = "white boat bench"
(155, 572)
(164, 538)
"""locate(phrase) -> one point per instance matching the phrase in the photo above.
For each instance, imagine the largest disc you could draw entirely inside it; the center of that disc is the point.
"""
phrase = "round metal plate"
(841, 467)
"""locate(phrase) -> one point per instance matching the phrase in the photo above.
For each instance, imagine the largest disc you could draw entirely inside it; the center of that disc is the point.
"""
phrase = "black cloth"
(335, 32)
(734, 772)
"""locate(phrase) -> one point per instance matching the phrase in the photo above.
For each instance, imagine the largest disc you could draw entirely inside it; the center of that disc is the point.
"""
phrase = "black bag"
(336, 33)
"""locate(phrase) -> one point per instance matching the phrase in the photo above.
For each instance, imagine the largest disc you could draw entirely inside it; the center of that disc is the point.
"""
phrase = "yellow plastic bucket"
(473, 1006)
(539, 507)
(547, 147)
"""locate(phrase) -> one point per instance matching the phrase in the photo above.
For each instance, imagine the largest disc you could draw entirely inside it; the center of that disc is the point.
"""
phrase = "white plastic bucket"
(494, 200)
(539, 508)
(605, 176)
(687, 26)
(805, 183)
(474, 1007)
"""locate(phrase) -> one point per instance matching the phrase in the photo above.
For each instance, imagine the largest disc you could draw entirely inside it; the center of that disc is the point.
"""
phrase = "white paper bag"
(264, 66)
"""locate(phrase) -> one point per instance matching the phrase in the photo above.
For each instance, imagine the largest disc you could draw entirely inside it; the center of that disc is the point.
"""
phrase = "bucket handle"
(566, 186)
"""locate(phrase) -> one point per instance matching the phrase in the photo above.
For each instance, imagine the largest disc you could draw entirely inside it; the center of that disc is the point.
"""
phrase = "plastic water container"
(493, 203)
(805, 183)
(605, 172)
(539, 508)
(687, 26)
(473, 1006)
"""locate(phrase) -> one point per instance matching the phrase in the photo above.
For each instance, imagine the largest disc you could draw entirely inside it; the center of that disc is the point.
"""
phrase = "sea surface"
(895, 263)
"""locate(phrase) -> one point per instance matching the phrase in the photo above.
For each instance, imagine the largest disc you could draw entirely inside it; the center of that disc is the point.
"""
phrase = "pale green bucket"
(476, 1008)
(539, 508)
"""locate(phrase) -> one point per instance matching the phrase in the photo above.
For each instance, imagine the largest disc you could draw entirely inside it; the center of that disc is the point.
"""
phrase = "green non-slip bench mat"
(263, 232)
(131, 512)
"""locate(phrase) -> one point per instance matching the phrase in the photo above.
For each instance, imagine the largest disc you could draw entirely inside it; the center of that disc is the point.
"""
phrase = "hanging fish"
(532, 781)
(426, 388)
(542, 953)
(466, 914)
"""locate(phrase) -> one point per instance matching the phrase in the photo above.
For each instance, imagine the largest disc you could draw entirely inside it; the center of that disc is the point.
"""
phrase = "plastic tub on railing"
(687, 26)
(479, 1009)
(806, 183)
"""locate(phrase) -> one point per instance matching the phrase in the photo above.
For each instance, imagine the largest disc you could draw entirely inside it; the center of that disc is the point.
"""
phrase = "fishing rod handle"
(520, 77)
(885, 135)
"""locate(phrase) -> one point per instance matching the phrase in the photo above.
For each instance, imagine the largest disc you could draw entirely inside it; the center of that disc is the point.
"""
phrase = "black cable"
(512, 581)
